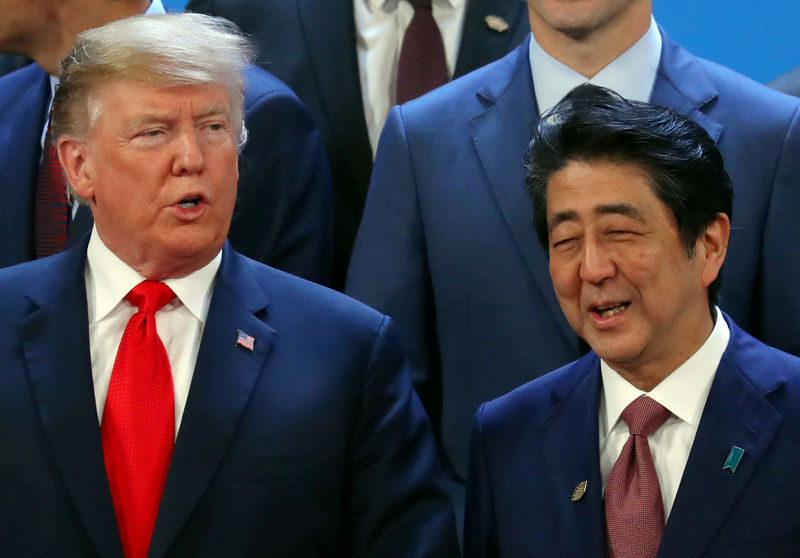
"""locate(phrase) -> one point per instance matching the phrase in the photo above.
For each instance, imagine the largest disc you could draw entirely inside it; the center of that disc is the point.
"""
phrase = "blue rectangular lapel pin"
(733, 459)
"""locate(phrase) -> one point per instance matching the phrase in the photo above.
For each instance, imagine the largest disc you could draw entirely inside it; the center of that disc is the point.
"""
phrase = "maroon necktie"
(138, 427)
(634, 509)
(51, 207)
(422, 65)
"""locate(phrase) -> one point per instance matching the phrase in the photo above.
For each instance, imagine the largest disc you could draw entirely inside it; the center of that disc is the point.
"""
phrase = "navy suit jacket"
(313, 444)
(532, 447)
(448, 249)
(283, 212)
(311, 46)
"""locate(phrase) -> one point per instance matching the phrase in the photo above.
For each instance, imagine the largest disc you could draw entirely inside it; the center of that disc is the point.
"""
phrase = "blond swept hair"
(163, 50)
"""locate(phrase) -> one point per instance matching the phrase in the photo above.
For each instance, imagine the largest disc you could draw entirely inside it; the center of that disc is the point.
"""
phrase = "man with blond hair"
(162, 394)
(283, 212)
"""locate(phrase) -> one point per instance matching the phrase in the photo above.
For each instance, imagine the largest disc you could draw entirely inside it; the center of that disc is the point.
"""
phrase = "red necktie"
(138, 426)
(51, 207)
(422, 64)
(634, 509)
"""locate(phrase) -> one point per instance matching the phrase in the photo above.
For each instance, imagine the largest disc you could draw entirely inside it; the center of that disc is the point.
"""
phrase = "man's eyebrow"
(158, 117)
(624, 209)
(213, 110)
(150, 118)
(560, 217)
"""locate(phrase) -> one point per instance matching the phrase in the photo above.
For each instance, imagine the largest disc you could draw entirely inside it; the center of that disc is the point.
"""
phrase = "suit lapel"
(736, 414)
(683, 85)
(570, 446)
(501, 135)
(329, 27)
(223, 380)
(479, 43)
(59, 368)
(21, 133)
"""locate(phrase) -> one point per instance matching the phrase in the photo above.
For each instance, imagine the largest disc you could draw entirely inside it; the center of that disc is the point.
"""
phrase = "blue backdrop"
(758, 39)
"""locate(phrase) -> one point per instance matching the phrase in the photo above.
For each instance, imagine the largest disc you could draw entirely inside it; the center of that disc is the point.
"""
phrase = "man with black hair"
(677, 415)
(446, 245)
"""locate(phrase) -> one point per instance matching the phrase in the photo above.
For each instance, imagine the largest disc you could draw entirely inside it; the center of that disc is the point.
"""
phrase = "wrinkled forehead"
(601, 187)
(137, 98)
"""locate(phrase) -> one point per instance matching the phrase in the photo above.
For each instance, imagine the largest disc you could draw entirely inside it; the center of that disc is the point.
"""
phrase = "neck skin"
(588, 52)
(66, 19)
(647, 376)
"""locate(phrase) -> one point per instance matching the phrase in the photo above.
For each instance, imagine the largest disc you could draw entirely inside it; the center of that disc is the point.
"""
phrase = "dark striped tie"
(51, 207)
(422, 65)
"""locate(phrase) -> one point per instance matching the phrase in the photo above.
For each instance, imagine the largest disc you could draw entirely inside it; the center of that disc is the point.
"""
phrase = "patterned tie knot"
(644, 416)
(150, 296)
(421, 4)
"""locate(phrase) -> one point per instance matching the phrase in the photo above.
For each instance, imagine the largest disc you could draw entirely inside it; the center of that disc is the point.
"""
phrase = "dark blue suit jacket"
(532, 447)
(313, 444)
(448, 249)
(283, 212)
(311, 46)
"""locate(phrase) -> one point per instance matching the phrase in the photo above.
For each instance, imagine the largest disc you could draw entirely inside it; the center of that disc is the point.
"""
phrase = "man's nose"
(597, 264)
(189, 157)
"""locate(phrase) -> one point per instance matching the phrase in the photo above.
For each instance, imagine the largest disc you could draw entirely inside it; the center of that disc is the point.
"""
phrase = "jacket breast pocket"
(281, 467)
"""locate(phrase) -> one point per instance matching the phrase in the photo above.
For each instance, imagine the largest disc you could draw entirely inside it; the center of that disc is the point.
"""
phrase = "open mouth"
(189, 203)
(611, 310)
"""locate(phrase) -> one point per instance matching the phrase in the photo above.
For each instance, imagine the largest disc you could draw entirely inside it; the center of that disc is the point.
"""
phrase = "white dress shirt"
(632, 74)
(683, 393)
(380, 28)
(179, 324)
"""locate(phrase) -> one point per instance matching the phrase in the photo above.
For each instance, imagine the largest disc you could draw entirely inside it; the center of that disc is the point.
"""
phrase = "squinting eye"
(562, 242)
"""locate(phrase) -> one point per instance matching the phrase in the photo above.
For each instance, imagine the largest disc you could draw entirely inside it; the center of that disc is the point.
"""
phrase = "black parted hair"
(681, 161)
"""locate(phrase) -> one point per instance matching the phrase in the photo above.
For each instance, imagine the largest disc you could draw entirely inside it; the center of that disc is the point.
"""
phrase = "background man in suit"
(283, 217)
(633, 204)
(340, 57)
(296, 429)
(446, 245)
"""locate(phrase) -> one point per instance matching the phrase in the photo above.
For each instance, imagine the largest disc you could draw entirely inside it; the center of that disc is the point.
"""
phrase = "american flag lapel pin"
(245, 340)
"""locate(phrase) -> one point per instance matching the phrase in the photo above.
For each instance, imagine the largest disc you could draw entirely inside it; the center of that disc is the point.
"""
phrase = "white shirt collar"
(109, 279)
(632, 74)
(376, 4)
(683, 392)
(156, 7)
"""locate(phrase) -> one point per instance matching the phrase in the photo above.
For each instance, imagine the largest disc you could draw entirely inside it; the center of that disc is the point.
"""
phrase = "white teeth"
(610, 311)
(187, 204)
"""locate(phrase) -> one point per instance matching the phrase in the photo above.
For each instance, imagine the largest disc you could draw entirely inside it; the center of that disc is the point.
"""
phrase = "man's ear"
(712, 246)
(72, 154)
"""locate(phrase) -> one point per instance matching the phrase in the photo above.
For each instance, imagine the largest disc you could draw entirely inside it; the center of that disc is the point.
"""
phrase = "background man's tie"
(138, 427)
(422, 64)
(634, 509)
(51, 207)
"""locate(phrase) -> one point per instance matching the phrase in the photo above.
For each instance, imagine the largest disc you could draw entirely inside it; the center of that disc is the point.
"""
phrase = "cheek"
(224, 163)
(566, 278)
